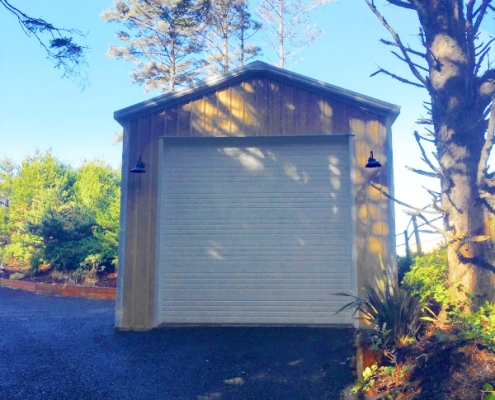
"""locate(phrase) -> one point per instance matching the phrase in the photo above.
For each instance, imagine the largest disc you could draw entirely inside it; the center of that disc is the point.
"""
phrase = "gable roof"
(257, 69)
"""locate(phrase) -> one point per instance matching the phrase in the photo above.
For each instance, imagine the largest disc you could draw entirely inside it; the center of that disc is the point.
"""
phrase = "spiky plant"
(391, 311)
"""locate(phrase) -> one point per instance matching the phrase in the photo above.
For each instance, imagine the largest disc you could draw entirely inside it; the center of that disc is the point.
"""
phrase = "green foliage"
(394, 373)
(392, 312)
(67, 237)
(42, 182)
(7, 172)
(368, 382)
(16, 276)
(403, 266)
(427, 279)
(51, 213)
(36, 260)
(17, 251)
(38, 184)
(478, 325)
(489, 392)
(97, 188)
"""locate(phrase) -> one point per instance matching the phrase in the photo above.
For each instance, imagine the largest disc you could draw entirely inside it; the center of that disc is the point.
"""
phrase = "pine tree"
(287, 27)
(230, 26)
(162, 37)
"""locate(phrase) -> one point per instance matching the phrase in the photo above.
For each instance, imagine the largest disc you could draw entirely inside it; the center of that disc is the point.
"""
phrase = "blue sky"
(39, 110)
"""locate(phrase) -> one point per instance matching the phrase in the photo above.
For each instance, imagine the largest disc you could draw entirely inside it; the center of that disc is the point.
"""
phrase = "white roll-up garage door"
(254, 230)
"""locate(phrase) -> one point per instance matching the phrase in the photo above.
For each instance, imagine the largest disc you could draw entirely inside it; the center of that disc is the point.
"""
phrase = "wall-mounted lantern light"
(139, 167)
(372, 163)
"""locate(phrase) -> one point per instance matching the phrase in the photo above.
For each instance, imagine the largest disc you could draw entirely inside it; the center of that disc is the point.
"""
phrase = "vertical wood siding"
(255, 107)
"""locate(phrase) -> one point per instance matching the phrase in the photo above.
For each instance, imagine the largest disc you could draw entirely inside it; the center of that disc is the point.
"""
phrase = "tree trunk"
(459, 124)
(470, 267)
(281, 50)
(173, 67)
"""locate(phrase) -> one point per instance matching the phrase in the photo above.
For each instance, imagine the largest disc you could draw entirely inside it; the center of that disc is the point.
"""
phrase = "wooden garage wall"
(255, 107)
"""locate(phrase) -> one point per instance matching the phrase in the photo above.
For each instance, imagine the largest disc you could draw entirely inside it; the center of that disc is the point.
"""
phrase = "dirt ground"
(439, 367)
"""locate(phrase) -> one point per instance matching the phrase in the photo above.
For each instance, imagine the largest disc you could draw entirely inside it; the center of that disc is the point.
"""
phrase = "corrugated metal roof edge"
(256, 68)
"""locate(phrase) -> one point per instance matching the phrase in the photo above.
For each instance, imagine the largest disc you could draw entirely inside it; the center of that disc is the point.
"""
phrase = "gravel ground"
(67, 348)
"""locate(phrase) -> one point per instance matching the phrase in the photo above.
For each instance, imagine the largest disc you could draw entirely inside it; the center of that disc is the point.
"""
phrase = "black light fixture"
(372, 163)
(139, 167)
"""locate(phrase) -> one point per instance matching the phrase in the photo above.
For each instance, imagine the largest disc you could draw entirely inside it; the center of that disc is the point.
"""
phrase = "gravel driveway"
(67, 348)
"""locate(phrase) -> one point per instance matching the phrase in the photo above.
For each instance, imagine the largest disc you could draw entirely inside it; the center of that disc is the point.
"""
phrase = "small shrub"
(389, 379)
(478, 325)
(404, 266)
(427, 279)
(71, 278)
(67, 236)
(16, 276)
(392, 312)
(36, 262)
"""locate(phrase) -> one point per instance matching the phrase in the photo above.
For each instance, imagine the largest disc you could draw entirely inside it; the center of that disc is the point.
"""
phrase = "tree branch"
(480, 12)
(415, 210)
(424, 173)
(425, 158)
(60, 48)
(418, 212)
(425, 121)
(436, 197)
(481, 57)
(487, 147)
(400, 79)
(408, 49)
(395, 36)
(404, 60)
(403, 4)
(469, 10)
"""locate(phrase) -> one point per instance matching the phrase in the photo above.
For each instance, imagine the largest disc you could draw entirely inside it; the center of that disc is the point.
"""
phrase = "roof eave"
(256, 68)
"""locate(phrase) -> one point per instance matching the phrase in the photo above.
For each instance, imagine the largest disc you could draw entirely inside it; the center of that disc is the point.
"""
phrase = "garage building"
(255, 206)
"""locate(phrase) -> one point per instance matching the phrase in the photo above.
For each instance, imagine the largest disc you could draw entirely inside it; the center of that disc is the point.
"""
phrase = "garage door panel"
(252, 294)
(259, 233)
(251, 291)
(261, 256)
(268, 306)
(252, 226)
(255, 318)
(311, 187)
(268, 280)
(269, 266)
(216, 241)
(238, 214)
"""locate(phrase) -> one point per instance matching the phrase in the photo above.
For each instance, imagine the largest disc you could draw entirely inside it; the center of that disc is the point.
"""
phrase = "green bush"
(16, 276)
(67, 238)
(36, 261)
(404, 266)
(428, 279)
(478, 325)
